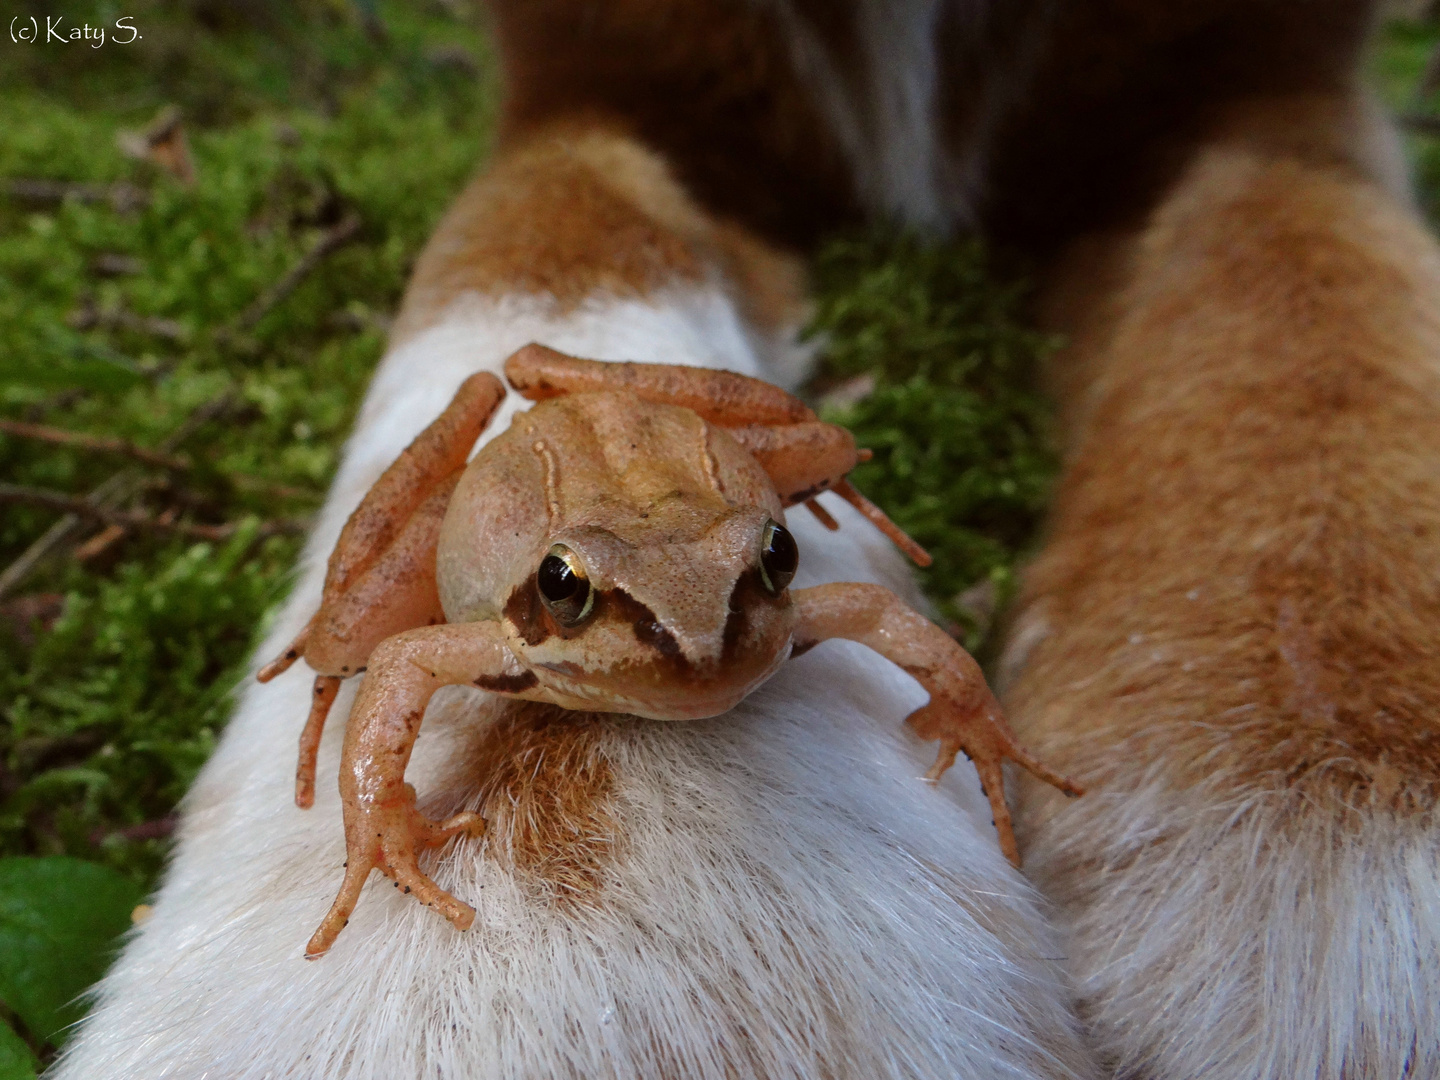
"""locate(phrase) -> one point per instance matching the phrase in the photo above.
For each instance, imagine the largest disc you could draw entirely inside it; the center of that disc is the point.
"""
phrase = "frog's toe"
(1036, 767)
(356, 871)
(410, 879)
(400, 860)
(992, 783)
(429, 833)
(938, 720)
(986, 744)
(326, 689)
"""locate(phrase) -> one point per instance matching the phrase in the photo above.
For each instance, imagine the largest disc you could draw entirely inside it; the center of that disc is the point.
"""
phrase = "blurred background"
(206, 220)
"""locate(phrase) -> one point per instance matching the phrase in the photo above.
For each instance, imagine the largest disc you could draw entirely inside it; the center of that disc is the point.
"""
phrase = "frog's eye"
(564, 585)
(778, 557)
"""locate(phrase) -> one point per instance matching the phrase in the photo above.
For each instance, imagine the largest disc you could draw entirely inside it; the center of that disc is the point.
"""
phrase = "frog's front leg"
(383, 829)
(381, 576)
(962, 713)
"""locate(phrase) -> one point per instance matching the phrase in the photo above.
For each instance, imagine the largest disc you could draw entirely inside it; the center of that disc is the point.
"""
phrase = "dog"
(1231, 636)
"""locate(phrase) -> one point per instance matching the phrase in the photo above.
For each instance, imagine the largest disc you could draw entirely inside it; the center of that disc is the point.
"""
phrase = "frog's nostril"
(650, 632)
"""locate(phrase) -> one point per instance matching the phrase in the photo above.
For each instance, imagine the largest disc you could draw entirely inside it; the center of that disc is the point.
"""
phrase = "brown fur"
(575, 209)
(541, 221)
(706, 83)
(544, 790)
(1240, 578)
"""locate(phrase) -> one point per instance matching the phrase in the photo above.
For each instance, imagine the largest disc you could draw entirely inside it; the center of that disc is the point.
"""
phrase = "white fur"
(786, 897)
(884, 117)
(1233, 938)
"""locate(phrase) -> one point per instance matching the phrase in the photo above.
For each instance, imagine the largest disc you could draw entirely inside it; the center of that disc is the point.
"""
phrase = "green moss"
(114, 710)
(297, 117)
(962, 457)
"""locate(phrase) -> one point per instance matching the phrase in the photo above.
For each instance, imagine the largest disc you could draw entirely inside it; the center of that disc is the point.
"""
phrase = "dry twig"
(90, 317)
(101, 542)
(99, 443)
(331, 240)
(171, 462)
(134, 519)
(111, 492)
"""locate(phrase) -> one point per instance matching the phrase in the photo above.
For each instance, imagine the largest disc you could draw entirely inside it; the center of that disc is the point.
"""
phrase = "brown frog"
(621, 548)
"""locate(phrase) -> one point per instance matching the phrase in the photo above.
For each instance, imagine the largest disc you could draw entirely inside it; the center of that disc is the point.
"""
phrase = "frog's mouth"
(689, 703)
(624, 659)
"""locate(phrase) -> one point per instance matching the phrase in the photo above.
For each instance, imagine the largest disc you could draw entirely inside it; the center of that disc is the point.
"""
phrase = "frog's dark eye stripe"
(778, 557)
(564, 586)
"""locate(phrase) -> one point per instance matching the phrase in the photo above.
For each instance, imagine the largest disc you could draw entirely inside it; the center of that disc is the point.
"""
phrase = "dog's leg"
(775, 892)
(1232, 638)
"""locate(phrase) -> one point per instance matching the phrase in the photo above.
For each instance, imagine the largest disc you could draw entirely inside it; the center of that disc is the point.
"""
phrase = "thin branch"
(100, 543)
(121, 196)
(330, 242)
(113, 490)
(110, 492)
(122, 485)
(98, 443)
(171, 462)
(88, 316)
(245, 482)
(134, 519)
(1420, 123)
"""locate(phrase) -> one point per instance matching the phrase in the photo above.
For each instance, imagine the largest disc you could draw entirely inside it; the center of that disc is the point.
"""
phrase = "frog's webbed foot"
(962, 713)
(390, 839)
(982, 735)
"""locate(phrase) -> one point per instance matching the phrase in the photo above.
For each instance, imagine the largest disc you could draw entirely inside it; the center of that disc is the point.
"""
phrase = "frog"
(621, 548)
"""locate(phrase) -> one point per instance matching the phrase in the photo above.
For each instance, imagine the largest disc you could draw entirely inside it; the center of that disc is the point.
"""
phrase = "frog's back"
(610, 459)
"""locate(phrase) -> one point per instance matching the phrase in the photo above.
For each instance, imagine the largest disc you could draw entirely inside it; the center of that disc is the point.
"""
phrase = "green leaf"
(16, 1060)
(59, 918)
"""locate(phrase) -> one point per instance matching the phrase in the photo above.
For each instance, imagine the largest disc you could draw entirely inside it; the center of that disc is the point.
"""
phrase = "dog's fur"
(1230, 636)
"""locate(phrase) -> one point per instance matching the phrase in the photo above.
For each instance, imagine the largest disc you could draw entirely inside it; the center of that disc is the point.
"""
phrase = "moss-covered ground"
(326, 137)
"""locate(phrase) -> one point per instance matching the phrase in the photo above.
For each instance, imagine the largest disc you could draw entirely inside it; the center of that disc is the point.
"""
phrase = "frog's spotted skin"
(620, 548)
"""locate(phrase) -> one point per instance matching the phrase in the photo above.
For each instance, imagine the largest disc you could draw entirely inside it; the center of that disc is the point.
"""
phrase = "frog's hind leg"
(721, 397)
(806, 458)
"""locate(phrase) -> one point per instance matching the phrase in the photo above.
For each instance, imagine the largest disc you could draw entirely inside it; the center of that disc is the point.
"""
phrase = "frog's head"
(672, 616)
